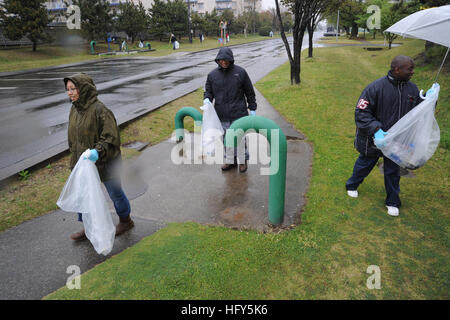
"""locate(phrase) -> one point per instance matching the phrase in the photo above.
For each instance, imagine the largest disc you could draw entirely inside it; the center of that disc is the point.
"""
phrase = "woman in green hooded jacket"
(93, 133)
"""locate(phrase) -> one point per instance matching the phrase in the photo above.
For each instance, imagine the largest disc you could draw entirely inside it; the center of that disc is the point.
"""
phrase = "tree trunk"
(298, 56)
(283, 37)
(310, 38)
(34, 46)
(354, 33)
(347, 31)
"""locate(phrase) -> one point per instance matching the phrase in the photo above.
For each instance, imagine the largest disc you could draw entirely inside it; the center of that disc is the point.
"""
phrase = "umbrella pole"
(442, 64)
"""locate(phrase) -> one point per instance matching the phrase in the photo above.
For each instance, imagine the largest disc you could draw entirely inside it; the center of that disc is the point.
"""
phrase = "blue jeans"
(118, 197)
(230, 153)
(364, 165)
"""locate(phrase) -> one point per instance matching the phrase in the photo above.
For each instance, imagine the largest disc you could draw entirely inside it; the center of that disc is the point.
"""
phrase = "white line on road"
(30, 79)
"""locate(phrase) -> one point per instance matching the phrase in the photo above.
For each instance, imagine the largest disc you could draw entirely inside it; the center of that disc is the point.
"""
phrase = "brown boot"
(228, 166)
(78, 236)
(243, 167)
(125, 224)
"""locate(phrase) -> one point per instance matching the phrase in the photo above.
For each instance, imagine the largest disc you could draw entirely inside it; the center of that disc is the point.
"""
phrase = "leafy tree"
(132, 19)
(228, 16)
(212, 23)
(288, 19)
(392, 13)
(242, 22)
(158, 23)
(96, 18)
(432, 3)
(28, 18)
(178, 17)
(168, 17)
(198, 22)
(364, 16)
(348, 16)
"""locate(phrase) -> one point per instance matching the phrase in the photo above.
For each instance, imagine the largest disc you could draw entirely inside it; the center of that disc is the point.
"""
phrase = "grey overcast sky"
(266, 4)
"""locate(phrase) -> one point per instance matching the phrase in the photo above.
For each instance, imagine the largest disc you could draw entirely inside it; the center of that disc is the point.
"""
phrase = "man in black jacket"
(380, 106)
(231, 88)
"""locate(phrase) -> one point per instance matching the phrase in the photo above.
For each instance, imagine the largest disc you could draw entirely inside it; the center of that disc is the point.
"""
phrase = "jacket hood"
(86, 89)
(225, 53)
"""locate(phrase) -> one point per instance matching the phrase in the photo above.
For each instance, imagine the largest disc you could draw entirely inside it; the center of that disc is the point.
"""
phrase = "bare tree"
(317, 10)
(303, 11)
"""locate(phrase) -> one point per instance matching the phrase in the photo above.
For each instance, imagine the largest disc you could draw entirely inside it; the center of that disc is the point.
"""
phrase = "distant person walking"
(380, 106)
(93, 133)
(231, 88)
(173, 40)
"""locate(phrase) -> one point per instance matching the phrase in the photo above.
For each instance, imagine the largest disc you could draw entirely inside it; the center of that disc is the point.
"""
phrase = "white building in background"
(200, 6)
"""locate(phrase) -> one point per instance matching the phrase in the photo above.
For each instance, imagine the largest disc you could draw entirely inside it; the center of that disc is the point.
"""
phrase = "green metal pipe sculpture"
(179, 123)
(278, 154)
(93, 43)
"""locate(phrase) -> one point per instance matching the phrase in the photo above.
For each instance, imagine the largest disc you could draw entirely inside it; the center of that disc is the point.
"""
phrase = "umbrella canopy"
(430, 24)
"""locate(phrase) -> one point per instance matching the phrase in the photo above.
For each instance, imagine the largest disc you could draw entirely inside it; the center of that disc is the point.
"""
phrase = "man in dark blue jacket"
(231, 88)
(380, 106)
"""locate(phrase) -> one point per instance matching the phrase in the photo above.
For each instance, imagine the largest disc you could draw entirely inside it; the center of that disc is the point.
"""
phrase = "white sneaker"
(353, 193)
(393, 211)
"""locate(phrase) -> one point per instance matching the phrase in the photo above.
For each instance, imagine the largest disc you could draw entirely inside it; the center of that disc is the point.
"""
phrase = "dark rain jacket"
(93, 126)
(380, 106)
(231, 88)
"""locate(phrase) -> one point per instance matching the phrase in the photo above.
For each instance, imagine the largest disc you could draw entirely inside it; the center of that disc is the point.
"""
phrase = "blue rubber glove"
(206, 101)
(94, 155)
(379, 138)
(91, 154)
(432, 89)
(252, 112)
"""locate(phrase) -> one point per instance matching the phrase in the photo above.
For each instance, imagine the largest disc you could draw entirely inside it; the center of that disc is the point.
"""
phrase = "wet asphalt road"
(34, 107)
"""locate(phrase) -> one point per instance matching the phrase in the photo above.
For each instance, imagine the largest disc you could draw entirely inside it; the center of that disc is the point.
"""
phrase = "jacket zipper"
(399, 87)
(367, 145)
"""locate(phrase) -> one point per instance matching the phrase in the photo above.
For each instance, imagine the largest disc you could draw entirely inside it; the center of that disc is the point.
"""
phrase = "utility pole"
(189, 21)
(337, 27)
(254, 16)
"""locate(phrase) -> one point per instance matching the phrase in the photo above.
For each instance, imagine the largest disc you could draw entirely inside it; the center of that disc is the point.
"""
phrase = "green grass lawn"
(328, 254)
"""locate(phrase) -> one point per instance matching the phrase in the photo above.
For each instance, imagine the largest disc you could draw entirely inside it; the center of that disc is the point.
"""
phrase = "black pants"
(364, 165)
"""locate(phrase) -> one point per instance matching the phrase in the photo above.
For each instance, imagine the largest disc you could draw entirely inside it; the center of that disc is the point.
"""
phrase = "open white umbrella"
(430, 24)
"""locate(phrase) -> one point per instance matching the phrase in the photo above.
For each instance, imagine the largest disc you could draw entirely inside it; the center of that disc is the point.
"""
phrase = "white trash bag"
(211, 130)
(177, 45)
(83, 193)
(413, 140)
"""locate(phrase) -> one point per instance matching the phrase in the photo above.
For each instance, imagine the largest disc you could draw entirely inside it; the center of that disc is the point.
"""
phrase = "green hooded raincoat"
(93, 126)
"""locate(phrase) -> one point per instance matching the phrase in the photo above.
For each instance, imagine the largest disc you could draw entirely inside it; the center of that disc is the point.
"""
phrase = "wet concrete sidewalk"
(35, 255)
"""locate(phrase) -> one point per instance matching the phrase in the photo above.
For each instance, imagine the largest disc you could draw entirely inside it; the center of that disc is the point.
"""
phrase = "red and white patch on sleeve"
(362, 104)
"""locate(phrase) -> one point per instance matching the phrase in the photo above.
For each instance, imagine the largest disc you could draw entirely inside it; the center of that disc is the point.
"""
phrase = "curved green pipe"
(278, 154)
(179, 123)
(93, 43)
